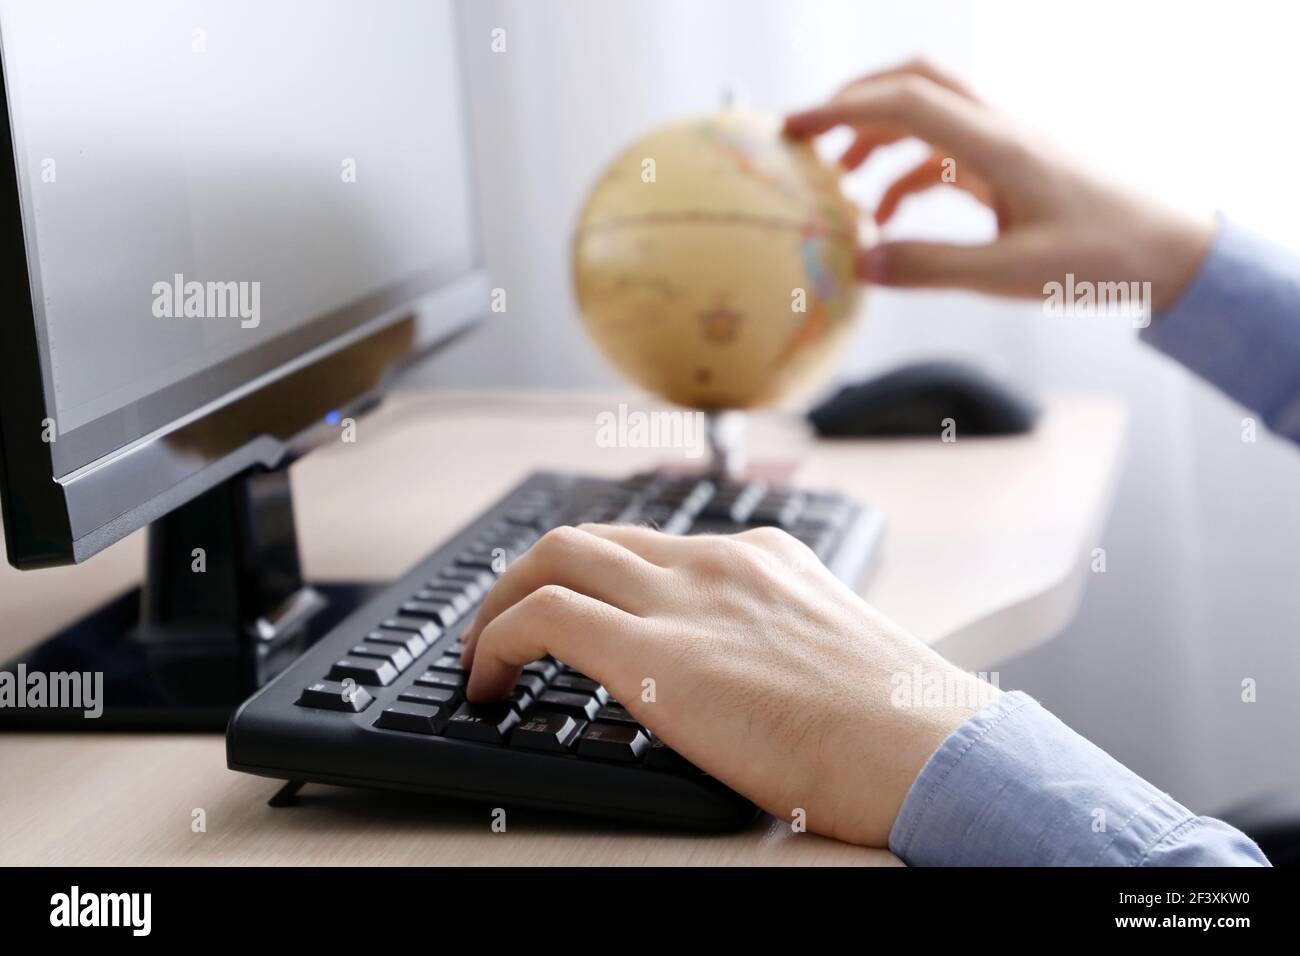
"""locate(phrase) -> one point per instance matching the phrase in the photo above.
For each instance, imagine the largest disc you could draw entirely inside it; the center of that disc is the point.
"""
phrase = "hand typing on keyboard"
(741, 652)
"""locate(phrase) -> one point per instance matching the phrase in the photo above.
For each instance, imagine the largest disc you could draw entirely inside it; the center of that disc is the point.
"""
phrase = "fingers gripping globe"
(713, 262)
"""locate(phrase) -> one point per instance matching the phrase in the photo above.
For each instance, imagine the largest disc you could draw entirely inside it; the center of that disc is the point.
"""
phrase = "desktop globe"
(713, 262)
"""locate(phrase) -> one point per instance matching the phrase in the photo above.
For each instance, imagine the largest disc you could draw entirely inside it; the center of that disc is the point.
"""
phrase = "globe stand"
(726, 436)
(728, 458)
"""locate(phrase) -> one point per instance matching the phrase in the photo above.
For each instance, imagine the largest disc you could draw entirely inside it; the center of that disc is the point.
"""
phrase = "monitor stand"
(223, 609)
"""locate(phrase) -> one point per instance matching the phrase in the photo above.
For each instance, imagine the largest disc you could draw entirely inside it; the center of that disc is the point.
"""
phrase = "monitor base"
(223, 609)
(137, 691)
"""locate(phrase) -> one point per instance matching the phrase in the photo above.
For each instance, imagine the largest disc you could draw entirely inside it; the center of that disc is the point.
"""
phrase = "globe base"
(729, 458)
(726, 435)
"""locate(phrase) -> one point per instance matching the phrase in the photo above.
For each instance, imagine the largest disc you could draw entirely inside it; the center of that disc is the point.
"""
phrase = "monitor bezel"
(62, 503)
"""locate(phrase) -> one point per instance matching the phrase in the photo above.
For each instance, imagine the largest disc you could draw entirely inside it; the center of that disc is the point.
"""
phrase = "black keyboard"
(379, 701)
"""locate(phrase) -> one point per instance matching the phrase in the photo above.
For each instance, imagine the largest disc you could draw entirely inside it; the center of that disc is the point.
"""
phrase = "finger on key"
(596, 638)
(576, 560)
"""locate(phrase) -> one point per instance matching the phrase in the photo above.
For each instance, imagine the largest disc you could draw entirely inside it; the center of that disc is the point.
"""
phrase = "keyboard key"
(613, 742)
(582, 685)
(531, 683)
(555, 733)
(418, 694)
(503, 534)
(455, 647)
(472, 590)
(331, 695)
(364, 670)
(415, 644)
(519, 699)
(821, 538)
(713, 527)
(734, 505)
(484, 560)
(441, 679)
(528, 517)
(491, 553)
(484, 723)
(479, 578)
(394, 653)
(448, 662)
(543, 669)
(828, 509)
(659, 756)
(444, 614)
(453, 596)
(679, 523)
(718, 508)
(414, 718)
(780, 514)
(414, 625)
(642, 479)
(448, 590)
(614, 714)
(672, 497)
(581, 706)
(493, 533)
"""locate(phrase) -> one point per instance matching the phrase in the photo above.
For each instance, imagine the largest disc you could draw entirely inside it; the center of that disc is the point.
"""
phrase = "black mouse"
(915, 399)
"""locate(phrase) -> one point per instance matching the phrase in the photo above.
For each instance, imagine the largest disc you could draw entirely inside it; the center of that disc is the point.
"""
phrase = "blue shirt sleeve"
(1238, 326)
(1013, 786)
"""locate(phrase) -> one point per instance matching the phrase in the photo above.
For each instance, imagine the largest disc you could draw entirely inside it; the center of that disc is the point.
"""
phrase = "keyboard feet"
(287, 796)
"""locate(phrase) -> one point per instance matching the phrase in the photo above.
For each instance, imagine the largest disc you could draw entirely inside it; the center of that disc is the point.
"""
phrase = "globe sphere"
(713, 262)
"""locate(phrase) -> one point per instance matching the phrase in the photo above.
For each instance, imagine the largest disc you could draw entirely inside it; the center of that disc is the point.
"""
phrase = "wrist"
(925, 706)
(1174, 250)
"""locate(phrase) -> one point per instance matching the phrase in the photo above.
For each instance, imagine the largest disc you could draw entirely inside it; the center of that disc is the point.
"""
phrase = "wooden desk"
(986, 555)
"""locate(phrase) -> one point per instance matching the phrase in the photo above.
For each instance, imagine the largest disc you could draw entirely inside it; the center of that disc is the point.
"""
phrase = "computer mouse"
(915, 399)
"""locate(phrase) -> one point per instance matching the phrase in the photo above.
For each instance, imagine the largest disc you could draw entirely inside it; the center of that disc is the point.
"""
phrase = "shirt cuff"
(1238, 326)
(1013, 786)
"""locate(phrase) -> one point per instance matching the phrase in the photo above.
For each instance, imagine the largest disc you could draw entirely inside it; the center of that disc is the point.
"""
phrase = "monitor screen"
(212, 188)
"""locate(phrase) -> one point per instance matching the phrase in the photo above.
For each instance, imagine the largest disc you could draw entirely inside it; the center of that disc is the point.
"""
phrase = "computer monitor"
(227, 226)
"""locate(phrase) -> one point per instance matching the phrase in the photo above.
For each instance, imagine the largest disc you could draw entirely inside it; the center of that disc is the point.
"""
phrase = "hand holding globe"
(713, 262)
